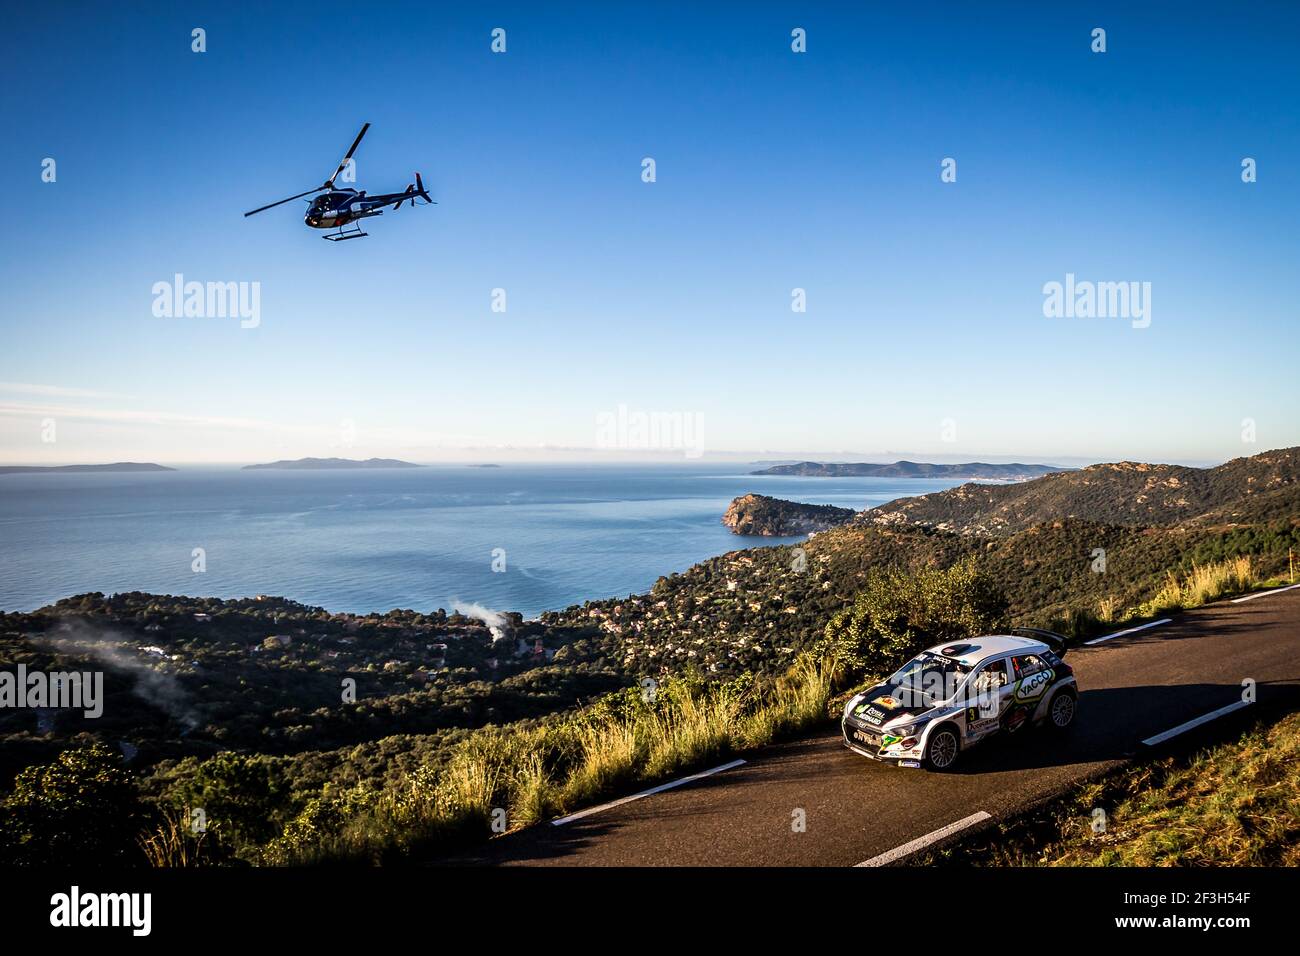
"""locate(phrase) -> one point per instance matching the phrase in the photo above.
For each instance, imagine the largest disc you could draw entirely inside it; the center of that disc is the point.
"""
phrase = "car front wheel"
(941, 751)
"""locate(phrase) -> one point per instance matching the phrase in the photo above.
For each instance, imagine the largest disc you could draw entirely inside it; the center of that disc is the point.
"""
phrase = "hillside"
(259, 675)
(1122, 493)
(761, 515)
(910, 469)
(187, 679)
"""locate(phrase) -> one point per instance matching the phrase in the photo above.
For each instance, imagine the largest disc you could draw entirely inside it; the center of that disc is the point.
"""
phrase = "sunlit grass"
(1237, 804)
(498, 780)
(502, 779)
(1203, 584)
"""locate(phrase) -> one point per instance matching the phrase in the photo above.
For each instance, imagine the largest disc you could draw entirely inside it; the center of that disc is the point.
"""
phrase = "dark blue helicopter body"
(336, 208)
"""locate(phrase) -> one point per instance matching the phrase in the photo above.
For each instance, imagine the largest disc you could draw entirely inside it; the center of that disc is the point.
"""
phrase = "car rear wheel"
(1061, 711)
(942, 749)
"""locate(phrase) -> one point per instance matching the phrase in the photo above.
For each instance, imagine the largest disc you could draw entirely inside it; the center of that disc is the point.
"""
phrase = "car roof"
(975, 650)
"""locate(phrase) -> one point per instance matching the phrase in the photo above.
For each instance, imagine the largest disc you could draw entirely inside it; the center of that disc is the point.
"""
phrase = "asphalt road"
(1133, 688)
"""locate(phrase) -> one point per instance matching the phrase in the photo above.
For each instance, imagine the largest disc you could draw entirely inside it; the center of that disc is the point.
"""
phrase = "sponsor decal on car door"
(993, 692)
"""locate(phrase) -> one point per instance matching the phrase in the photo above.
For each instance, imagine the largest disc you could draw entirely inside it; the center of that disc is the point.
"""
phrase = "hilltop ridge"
(1123, 493)
(325, 464)
(1014, 471)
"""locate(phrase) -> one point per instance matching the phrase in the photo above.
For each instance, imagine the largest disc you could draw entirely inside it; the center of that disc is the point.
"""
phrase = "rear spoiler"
(1056, 642)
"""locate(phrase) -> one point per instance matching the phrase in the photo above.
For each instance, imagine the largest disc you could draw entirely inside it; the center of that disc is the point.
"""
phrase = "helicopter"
(337, 208)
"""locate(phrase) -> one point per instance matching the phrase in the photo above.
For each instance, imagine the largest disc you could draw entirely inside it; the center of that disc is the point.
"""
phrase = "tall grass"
(1233, 804)
(1203, 584)
(506, 778)
(500, 780)
(610, 755)
(174, 842)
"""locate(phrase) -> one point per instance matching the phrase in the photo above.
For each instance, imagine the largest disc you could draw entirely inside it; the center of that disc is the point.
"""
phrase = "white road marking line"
(1131, 630)
(898, 852)
(1183, 728)
(1251, 597)
(644, 793)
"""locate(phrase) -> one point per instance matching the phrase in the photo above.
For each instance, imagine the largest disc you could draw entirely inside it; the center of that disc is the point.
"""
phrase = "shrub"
(82, 809)
(899, 613)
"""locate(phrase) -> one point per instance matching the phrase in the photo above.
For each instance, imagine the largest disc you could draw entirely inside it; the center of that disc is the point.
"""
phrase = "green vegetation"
(496, 778)
(898, 614)
(1237, 804)
(238, 708)
(81, 809)
(499, 780)
(502, 777)
(1204, 583)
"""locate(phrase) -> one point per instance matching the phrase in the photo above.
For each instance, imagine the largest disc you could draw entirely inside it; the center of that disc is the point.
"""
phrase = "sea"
(521, 538)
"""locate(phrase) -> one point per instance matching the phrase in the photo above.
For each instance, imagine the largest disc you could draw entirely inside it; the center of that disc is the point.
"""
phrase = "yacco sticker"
(1034, 685)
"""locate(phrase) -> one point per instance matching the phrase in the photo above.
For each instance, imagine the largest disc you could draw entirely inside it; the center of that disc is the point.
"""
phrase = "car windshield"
(932, 675)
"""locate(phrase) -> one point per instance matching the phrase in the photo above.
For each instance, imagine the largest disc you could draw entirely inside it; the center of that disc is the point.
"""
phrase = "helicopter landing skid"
(341, 235)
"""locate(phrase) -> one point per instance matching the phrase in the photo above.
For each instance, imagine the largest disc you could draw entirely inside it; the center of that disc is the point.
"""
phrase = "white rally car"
(952, 696)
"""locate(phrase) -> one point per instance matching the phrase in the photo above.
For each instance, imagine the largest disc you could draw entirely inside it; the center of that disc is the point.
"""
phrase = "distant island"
(70, 469)
(763, 515)
(327, 464)
(484, 466)
(911, 469)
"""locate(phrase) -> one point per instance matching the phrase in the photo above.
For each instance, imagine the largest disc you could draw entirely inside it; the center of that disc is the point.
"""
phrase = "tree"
(82, 809)
(238, 792)
(899, 613)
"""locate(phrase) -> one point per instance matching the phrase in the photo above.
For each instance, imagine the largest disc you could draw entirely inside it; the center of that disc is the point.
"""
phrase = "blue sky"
(775, 170)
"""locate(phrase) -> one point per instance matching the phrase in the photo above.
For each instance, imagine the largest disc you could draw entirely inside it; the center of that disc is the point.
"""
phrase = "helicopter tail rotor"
(420, 190)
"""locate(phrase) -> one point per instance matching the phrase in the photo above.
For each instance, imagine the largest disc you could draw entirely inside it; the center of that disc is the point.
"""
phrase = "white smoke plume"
(155, 687)
(496, 621)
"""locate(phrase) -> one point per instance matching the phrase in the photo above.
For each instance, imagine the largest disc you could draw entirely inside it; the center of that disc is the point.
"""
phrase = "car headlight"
(903, 731)
(849, 705)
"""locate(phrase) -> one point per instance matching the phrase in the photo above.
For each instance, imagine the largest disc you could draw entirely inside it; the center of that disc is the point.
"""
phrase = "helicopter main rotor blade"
(356, 142)
(283, 201)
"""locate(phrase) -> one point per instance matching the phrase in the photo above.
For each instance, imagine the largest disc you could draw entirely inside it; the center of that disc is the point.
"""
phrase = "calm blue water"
(365, 541)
